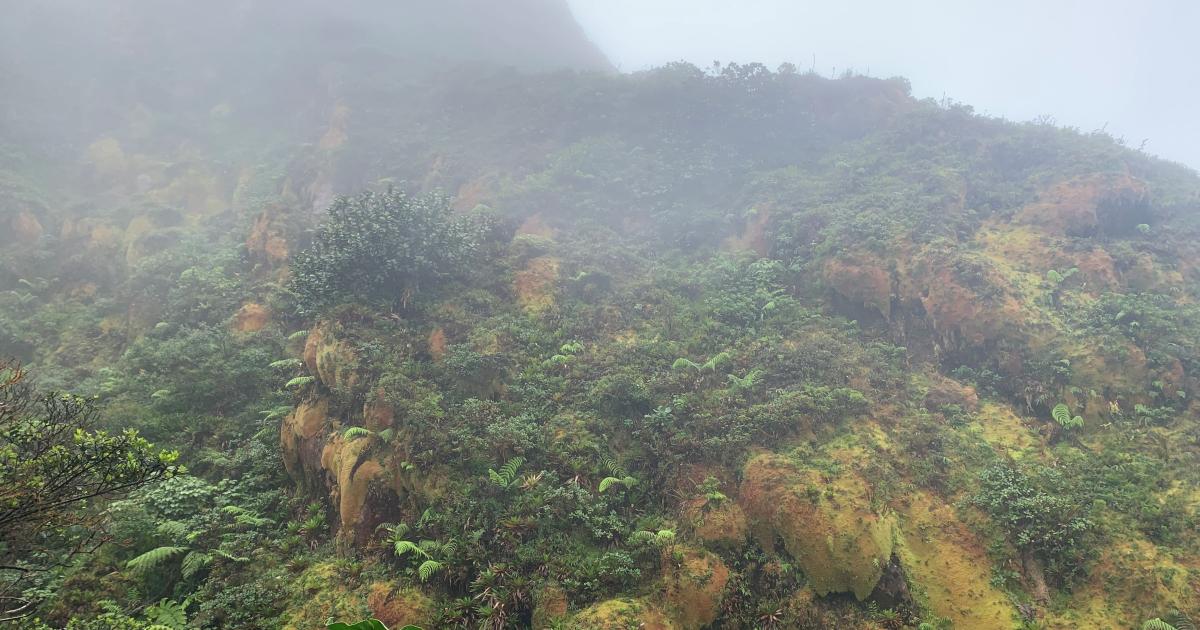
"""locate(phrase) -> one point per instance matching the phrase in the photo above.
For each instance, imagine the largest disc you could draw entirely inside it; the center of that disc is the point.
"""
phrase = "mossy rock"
(825, 521)
(695, 581)
(330, 359)
(621, 614)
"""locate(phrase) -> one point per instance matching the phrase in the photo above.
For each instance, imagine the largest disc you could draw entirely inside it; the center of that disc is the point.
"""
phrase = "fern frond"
(682, 364)
(172, 529)
(1157, 624)
(428, 569)
(402, 547)
(449, 547)
(299, 381)
(607, 482)
(353, 433)
(153, 558)
(509, 470)
(285, 363)
(717, 361)
(664, 537)
(1061, 414)
(297, 335)
(496, 478)
(160, 394)
(168, 614)
(276, 412)
(613, 466)
(230, 557)
(1180, 621)
(386, 434)
(194, 563)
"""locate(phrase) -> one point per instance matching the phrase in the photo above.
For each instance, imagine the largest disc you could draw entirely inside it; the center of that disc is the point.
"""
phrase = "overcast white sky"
(1134, 65)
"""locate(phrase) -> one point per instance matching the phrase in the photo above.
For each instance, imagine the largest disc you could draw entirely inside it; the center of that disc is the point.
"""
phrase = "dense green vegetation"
(723, 347)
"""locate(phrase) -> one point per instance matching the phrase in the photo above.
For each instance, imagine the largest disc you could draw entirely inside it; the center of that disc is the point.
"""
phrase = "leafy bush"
(383, 248)
(1041, 516)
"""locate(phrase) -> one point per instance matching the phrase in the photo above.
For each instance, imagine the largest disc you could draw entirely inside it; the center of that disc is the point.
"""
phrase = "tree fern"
(721, 358)
(193, 563)
(299, 381)
(154, 558)
(1062, 415)
(428, 569)
(608, 482)
(682, 364)
(746, 382)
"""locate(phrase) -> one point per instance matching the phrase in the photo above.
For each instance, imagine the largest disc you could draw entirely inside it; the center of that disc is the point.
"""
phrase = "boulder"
(824, 520)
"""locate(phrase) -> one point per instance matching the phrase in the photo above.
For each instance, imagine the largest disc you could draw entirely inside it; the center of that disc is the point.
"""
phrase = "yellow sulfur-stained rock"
(621, 614)
(825, 521)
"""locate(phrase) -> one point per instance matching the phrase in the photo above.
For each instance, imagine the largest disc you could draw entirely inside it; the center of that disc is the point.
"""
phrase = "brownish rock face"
(251, 317)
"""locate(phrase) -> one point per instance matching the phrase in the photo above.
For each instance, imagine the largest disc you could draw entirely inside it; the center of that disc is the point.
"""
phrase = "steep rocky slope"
(768, 349)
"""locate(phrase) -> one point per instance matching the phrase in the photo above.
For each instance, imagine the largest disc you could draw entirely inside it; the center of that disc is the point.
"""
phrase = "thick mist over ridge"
(1125, 67)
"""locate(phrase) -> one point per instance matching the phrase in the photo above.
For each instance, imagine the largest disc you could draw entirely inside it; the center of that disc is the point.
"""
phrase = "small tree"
(54, 465)
(383, 247)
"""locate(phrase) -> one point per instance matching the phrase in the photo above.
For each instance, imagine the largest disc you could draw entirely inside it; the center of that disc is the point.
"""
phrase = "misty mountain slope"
(685, 348)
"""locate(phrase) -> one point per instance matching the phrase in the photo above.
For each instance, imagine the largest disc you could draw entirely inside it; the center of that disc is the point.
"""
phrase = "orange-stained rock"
(331, 360)
(536, 225)
(945, 391)
(397, 607)
(353, 471)
(1069, 208)
(550, 607)
(297, 438)
(26, 228)
(535, 283)
(437, 343)
(474, 192)
(251, 317)
(723, 526)
(377, 413)
(753, 237)
(861, 281)
(266, 239)
(695, 587)
(1097, 269)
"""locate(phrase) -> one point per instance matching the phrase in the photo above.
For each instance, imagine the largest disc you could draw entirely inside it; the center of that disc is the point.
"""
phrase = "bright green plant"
(299, 381)
(426, 550)
(710, 365)
(507, 474)
(1062, 415)
(168, 614)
